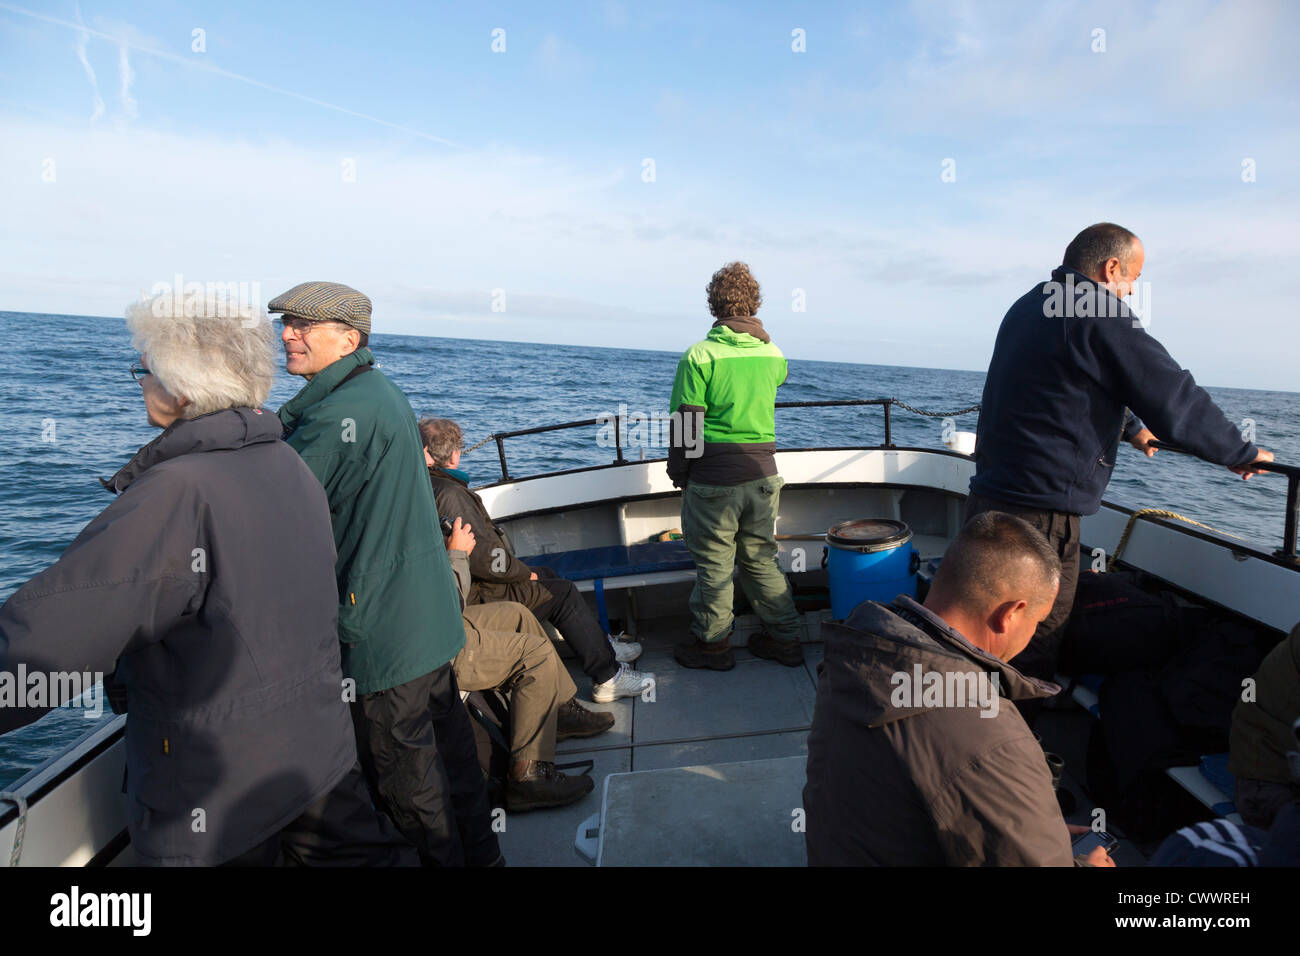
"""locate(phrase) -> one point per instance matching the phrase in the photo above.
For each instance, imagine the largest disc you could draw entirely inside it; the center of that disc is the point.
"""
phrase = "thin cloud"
(208, 68)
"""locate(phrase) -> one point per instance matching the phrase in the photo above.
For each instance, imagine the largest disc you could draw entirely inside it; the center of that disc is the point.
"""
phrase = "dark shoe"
(574, 720)
(544, 786)
(715, 656)
(789, 653)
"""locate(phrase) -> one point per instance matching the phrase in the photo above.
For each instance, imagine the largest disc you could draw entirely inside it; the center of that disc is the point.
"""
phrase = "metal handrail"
(886, 403)
(1292, 521)
(1291, 530)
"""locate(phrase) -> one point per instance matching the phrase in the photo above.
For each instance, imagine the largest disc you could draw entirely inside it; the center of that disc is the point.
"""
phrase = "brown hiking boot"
(789, 653)
(574, 720)
(697, 653)
(535, 784)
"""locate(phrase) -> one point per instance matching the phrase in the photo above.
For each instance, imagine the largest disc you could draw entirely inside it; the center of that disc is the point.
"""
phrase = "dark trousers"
(569, 613)
(1061, 529)
(342, 828)
(418, 753)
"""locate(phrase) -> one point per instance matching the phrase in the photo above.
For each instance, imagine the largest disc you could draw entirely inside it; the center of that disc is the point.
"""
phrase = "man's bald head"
(997, 581)
(1108, 254)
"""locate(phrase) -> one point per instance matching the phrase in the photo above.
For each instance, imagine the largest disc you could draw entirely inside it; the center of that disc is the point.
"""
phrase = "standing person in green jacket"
(399, 611)
(725, 393)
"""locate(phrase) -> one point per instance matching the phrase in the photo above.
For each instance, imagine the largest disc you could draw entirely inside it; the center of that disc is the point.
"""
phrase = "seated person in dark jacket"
(915, 757)
(499, 576)
(1262, 739)
(1270, 835)
(1072, 368)
(217, 604)
(506, 649)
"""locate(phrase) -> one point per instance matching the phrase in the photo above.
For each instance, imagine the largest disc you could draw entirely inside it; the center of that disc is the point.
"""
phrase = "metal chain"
(922, 411)
(480, 444)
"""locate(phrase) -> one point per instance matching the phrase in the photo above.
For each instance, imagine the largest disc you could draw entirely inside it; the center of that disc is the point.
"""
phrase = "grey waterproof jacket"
(903, 774)
(209, 582)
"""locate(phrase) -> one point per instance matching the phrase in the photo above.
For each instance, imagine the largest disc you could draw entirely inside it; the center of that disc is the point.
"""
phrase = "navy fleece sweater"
(1069, 358)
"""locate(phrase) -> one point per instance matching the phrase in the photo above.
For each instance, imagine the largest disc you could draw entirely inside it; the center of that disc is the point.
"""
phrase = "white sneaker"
(625, 652)
(625, 683)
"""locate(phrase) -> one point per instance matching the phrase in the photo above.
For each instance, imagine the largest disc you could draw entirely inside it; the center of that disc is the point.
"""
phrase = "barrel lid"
(869, 534)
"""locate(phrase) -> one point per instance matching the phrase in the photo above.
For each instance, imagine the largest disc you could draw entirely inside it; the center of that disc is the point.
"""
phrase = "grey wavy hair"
(442, 437)
(215, 361)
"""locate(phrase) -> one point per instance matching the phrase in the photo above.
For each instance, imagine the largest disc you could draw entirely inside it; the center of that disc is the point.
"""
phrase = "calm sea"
(71, 413)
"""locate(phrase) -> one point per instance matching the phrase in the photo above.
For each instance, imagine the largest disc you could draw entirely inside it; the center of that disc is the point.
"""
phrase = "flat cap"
(325, 300)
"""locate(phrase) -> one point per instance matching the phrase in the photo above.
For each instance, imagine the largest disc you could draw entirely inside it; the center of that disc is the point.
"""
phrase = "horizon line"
(618, 348)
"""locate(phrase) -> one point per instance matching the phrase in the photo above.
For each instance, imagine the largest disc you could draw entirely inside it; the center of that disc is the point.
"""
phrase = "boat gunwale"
(74, 757)
(1221, 539)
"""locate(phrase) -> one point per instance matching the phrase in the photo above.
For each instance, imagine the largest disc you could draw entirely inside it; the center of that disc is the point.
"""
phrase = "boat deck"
(759, 710)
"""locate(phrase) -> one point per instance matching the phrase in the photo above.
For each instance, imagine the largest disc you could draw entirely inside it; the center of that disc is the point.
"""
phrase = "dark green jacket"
(399, 613)
(1261, 729)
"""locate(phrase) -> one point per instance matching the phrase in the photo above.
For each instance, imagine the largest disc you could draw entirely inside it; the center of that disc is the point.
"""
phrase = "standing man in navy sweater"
(1073, 371)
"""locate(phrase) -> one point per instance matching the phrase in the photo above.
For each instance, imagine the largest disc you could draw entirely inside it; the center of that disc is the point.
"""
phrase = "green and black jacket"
(725, 387)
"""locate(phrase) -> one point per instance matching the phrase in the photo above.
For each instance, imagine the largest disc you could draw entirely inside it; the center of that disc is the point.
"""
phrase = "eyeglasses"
(139, 371)
(302, 326)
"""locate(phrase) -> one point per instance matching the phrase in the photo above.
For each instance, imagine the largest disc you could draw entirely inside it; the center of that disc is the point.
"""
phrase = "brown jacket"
(901, 774)
(497, 575)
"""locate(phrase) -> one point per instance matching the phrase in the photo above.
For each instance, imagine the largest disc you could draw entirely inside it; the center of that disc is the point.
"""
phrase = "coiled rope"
(1158, 513)
(21, 802)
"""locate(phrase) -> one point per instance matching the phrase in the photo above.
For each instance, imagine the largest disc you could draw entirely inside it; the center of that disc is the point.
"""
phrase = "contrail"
(83, 35)
(207, 68)
(129, 105)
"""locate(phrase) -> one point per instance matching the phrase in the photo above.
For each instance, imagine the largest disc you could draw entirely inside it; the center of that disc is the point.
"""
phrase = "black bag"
(1117, 626)
(489, 711)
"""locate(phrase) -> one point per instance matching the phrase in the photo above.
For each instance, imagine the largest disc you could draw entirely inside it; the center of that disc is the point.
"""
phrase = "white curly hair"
(216, 361)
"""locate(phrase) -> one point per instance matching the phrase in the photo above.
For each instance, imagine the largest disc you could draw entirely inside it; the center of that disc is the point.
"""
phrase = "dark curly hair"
(733, 291)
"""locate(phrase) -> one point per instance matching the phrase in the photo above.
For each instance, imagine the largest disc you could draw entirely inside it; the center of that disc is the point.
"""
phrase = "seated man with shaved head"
(916, 757)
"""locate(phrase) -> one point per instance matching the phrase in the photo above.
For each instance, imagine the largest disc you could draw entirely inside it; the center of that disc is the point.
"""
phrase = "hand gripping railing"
(1292, 474)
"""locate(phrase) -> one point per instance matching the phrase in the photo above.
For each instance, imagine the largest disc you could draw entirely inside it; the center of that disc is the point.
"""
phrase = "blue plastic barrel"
(869, 560)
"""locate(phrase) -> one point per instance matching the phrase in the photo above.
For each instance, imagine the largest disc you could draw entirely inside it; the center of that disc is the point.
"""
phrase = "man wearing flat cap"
(399, 611)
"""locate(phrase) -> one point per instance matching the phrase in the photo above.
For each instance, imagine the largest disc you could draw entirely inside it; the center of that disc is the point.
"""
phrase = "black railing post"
(889, 441)
(618, 437)
(1292, 516)
(501, 453)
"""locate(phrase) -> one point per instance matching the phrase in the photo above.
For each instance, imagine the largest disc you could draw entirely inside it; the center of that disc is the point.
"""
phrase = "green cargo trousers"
(728, 527)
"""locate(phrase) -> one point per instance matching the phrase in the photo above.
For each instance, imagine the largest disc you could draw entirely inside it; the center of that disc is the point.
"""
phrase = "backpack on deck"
(489, 712)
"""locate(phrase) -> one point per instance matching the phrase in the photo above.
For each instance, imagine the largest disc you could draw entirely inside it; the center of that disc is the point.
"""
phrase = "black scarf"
(745, 323)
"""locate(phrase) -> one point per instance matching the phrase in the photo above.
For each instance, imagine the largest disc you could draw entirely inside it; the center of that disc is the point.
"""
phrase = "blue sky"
(523, 170)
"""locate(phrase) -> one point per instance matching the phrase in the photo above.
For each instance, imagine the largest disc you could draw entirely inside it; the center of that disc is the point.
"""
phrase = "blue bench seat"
(615, 560)
(612, 562)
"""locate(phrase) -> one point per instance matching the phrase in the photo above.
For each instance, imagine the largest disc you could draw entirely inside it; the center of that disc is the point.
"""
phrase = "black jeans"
(1061, 529)
(342, 828)
(418, 753)
(569, 613)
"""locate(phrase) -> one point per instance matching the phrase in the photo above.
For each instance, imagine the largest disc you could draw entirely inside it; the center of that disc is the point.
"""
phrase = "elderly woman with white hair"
(208, 584)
